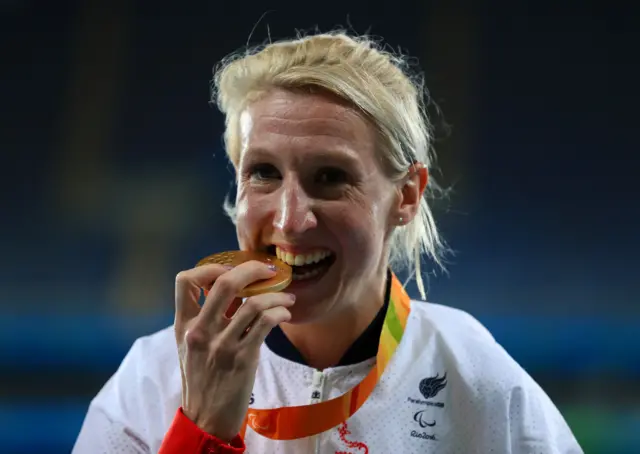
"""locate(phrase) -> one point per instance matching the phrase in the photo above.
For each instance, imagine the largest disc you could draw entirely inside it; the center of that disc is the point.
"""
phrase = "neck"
(323, 343)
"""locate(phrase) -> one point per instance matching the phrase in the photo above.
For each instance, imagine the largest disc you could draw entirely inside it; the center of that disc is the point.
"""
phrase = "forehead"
(305, 123)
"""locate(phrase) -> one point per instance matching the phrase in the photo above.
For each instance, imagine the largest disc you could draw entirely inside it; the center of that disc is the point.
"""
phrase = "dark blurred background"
(113, 174)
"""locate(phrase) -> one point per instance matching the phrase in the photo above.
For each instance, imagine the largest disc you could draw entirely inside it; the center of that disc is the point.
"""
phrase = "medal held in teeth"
(307, 265)
(234, 258)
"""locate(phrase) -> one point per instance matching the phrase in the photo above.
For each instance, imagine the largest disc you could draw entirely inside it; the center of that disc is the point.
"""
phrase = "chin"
(315, 296)
(315, 280)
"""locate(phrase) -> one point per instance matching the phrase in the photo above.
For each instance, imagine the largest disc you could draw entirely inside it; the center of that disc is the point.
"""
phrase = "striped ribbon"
(289, 423)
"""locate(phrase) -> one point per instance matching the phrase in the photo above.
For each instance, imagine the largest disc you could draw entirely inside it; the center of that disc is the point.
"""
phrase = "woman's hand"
(219, 355)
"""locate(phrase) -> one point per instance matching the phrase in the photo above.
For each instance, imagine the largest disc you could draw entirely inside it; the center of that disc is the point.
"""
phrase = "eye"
(264, 172)
(331, 176)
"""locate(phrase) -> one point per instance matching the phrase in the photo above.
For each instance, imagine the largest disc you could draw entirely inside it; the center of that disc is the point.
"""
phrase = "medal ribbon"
(290, 423)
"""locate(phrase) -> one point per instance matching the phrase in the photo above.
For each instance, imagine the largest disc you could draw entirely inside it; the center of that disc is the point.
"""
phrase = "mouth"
(305, 266)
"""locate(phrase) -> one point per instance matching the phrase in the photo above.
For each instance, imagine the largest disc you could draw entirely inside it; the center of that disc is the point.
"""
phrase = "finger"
(248, 314)
(188, 287)
(228, 285)
(264, 323)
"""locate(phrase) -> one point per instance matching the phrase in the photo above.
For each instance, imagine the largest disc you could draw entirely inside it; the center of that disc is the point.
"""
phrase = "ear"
(411, 192)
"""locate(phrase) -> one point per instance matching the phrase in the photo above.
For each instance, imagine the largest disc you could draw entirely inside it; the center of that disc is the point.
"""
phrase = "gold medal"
(234, 258)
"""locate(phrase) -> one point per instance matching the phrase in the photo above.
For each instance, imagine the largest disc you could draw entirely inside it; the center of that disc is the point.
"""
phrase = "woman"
(331, 147)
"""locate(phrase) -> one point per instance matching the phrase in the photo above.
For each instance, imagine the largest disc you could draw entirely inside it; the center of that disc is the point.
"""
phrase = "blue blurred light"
(569, 346)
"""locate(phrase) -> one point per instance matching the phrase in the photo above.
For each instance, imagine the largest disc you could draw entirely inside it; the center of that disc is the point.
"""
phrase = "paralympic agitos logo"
(419, 418)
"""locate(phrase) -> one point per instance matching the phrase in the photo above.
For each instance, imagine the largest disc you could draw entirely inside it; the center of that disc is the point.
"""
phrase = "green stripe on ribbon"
(393, 323)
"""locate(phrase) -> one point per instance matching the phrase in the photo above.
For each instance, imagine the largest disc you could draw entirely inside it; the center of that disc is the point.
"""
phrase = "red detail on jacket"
(343, 431)
(184, 437)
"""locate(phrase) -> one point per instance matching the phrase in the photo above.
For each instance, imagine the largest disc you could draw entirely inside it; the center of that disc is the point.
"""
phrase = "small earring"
(401, 220)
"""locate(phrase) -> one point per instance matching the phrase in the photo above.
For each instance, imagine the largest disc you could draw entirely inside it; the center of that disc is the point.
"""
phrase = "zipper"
(317, 387)
(317, 395)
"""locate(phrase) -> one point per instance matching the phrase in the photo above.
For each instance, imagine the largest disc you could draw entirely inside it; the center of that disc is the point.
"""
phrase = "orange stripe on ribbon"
(290, 423)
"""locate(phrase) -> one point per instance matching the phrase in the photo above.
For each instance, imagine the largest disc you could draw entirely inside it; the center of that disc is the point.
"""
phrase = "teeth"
(317, 256)
(301, 259)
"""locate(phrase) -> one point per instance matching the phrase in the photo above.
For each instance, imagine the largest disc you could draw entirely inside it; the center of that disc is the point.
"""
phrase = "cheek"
(359, 228)
(250, 216)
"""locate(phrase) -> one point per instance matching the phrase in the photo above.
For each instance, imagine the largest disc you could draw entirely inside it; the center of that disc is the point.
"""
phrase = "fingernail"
(272, 267)
(228, 267)
(292, 297)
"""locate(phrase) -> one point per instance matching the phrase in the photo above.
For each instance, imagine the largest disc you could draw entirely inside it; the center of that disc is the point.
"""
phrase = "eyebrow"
(341, 155)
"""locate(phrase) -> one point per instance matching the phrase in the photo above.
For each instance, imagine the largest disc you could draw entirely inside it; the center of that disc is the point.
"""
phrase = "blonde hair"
(375, 81)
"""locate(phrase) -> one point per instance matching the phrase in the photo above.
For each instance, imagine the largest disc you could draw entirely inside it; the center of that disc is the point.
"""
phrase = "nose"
(294, 214)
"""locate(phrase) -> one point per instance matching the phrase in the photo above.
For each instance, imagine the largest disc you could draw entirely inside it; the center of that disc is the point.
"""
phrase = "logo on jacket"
(431, 386)
(419, 418)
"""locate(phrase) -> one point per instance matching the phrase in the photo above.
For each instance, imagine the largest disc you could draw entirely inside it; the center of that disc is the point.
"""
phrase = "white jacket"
(485, 404)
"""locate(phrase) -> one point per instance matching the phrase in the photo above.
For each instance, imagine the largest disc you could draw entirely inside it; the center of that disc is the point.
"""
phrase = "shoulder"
(465, 345)
(145, 390)
(153, 358)
(464, 337)
(484, 382)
